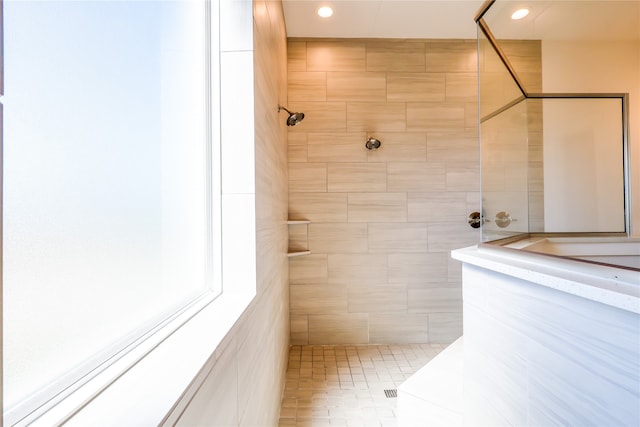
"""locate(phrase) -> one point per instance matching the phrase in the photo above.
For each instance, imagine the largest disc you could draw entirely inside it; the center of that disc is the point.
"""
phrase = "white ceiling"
(556, 19)
(382, 18)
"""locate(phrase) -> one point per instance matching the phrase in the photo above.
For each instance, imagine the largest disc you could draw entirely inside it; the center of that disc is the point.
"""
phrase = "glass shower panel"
(519, 40)
(504, 152)
(551, 162)
(535, 165)
(583, 151)
(497, 87)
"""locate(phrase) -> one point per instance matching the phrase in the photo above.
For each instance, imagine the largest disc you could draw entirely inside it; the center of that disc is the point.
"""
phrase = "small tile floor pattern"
(343, 385)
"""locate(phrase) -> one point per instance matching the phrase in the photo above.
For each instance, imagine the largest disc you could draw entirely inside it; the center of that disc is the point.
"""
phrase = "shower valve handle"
(476, 220)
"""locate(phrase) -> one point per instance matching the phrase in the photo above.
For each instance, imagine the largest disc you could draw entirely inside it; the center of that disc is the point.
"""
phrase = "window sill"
(146, 384)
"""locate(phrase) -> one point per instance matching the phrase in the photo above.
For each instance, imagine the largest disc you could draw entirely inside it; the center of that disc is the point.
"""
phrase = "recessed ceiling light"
(520, 13)
(325, 11)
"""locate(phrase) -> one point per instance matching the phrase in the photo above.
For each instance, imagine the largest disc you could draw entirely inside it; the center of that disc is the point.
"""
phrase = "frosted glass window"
(107, 193)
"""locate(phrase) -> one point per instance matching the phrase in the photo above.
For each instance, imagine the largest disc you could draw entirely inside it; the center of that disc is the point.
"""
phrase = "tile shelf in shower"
(298, 252)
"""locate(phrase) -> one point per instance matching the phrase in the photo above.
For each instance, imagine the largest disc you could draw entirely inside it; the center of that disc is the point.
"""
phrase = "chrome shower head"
(372, 143)
(294, 118)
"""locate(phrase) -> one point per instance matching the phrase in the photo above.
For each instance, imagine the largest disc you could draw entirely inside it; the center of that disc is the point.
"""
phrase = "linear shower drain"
(391, 393)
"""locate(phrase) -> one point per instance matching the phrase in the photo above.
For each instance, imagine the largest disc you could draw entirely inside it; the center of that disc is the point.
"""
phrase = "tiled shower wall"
(382, 222)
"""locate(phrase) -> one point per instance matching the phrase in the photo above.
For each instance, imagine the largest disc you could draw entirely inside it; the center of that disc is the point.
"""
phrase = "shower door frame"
(624, 98)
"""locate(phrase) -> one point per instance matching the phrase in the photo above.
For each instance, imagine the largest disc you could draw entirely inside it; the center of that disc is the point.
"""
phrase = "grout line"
(318, 394)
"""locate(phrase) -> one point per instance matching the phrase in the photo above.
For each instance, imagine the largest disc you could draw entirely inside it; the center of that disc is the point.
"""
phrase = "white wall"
(610, 67)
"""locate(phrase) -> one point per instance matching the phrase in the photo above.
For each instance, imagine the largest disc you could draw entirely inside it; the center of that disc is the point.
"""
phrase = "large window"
(107, 182)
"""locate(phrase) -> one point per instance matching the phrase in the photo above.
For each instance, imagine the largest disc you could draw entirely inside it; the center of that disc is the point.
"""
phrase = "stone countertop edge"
(612, 286)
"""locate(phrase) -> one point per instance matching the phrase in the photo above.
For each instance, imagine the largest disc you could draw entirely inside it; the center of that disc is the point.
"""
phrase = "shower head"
(372, 143)
(294, 118)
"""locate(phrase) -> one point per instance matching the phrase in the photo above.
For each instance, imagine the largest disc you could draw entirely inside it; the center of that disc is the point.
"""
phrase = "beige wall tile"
(363, 86)
(430, 117)
(462, 87)
(444, 237)
(376, 116)
(336, 56)
(536, 211)
(225, 409)
(307, 177)
(377, 299)
(451, 56)
(339, 329)
(416, 176)
(357, 177)
(296, 56)
(377, 207)
(463, 177)
(453, 147)
(473, 201)
(318, 207)
(308, 270)
(525, 57)
(422, 269)
(445, 327)
(395, 56)
(399, 147)
(437, 207)
(398, 327)
(408, 237)
(515, 175)
(337, 147)
(426, 172)
(454, 269)
(534, 117)
(416, 87)
(297, 147)
(299, 329)
(492, 178)
(435, 300)
(531, 81)
(471, 115)
(498, 89)
(307, 86)
(337, 238)
(358, 269)
(318, 116)
(318, 299)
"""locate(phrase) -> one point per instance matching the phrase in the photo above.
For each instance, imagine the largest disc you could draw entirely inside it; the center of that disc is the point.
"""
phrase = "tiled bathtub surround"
(382, 222)
(344, 385)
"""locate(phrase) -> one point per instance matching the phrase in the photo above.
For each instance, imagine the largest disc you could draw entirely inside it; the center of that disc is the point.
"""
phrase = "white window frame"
(150, 381)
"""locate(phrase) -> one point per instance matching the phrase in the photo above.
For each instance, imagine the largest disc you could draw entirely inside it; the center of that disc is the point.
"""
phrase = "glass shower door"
(503, 149)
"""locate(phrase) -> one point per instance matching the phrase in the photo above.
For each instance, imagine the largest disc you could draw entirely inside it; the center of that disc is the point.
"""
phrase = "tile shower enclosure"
(382, 222)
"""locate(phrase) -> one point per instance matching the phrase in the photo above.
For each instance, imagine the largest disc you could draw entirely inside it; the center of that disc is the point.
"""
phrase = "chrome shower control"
(474, 219)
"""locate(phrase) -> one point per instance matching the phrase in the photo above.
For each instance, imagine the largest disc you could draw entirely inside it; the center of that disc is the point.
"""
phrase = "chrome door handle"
(503, 219)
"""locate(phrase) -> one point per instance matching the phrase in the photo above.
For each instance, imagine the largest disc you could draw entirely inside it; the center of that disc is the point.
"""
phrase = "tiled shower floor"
(344, 385)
